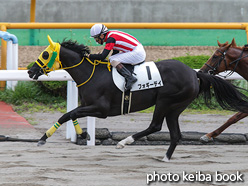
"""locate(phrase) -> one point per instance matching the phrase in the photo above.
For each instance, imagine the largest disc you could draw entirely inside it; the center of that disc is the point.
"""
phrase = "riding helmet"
(98, 29)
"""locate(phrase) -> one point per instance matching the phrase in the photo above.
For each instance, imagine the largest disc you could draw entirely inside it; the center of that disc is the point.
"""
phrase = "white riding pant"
(134, 57)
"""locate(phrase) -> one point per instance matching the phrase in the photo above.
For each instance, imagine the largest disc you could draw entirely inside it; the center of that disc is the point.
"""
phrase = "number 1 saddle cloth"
(147, 74)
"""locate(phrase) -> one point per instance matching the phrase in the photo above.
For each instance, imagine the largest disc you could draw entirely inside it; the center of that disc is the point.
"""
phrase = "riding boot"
(130, 79)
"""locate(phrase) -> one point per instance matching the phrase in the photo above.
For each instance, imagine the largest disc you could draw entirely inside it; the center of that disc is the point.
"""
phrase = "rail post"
(246, 30)
(72, 103)
(32, 10)
(3, 56)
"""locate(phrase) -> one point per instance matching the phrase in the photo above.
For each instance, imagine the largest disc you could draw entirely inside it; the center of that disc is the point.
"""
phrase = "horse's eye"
(45, 55)
(214, 56)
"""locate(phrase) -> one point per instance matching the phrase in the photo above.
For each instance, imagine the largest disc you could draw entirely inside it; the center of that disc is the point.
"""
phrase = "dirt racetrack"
(28, 54)
(62, 163)
(65, 164)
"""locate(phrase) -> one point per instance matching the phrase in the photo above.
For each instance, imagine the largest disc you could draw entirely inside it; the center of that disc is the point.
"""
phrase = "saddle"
(148, 77)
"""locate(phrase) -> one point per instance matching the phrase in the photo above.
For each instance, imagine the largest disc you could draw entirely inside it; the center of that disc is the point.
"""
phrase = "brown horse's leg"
(235, 118)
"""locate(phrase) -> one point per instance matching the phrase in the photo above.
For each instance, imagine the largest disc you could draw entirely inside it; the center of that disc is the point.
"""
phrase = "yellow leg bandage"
(50, 131)
(77, 127)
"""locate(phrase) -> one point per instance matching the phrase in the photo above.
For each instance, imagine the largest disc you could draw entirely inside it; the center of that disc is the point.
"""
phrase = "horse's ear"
(218, 43)
(222, 45)
(52, 44)
(233, 43)
(228, 46)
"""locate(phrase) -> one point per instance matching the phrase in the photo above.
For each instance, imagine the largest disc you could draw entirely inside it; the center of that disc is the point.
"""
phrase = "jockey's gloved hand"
(91, 57)
(86, 55)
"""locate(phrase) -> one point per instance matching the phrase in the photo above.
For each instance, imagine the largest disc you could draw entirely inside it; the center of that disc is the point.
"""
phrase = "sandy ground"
(61, 162)
(64, 164)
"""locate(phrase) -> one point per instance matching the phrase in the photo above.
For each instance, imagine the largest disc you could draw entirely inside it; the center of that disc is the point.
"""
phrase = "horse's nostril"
(29, 72)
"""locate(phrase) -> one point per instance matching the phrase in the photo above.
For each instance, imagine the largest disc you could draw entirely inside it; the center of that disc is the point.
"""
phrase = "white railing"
(72, 96)
(12, 54)
(232, 77)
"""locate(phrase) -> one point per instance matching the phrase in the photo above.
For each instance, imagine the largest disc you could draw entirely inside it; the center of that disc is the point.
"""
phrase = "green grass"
(209, 111)
(26, 92)
(194, 62)
(197, 111)
(32, 107)
(30, 97)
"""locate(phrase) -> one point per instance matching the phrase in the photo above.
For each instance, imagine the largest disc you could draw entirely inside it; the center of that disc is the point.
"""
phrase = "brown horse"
(234, 59)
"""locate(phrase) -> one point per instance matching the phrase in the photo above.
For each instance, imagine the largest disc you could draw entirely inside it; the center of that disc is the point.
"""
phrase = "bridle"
(223, 58)
(44, 69)
(216, 66)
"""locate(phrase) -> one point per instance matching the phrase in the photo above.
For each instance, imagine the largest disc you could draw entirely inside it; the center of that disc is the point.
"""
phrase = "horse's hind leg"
(175, 133)
(156, 125)
(235, 118)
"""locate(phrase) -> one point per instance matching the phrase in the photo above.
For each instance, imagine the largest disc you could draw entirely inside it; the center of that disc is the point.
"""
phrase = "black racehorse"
(101, 98)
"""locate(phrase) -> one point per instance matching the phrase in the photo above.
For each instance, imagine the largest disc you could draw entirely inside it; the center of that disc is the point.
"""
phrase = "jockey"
(126, 49)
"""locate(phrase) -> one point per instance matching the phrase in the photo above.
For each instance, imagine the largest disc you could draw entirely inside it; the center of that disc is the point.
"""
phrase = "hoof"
(41, 142)
(85, 135)
(165, 159)
(82, 138)
(81, 141)
(120, 146)
(206, 139)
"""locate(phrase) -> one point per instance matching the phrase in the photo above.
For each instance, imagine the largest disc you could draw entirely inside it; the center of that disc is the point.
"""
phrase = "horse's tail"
(226, 94)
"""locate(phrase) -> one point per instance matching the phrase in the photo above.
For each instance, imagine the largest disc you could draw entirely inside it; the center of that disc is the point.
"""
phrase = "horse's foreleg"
(49, 132)
(235, 118)
(66, 117)
(80, 134)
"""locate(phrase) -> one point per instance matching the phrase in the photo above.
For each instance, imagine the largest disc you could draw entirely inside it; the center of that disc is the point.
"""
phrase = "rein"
(64, 68)
(95, 63)
(224, 59)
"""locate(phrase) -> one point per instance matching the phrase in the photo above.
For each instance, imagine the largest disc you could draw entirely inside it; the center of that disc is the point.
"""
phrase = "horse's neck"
(242, 67)
(70, 59)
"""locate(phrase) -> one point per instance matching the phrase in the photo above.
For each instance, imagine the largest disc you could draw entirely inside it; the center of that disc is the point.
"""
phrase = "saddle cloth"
(147, 74)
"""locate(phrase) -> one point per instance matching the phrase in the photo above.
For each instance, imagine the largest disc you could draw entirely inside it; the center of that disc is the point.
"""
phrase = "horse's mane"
(240, 48)
(74, 46)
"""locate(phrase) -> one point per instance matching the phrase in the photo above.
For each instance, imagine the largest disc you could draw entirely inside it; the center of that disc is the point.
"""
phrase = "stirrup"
(131, 83)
